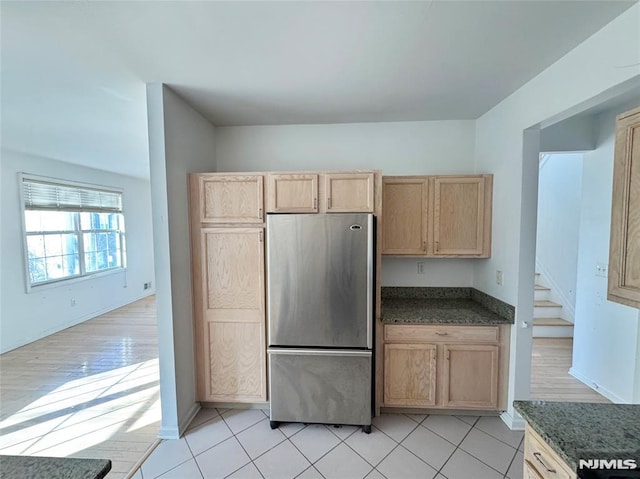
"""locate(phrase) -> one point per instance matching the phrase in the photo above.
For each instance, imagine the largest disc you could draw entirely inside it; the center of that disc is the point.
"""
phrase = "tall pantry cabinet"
(227, 234)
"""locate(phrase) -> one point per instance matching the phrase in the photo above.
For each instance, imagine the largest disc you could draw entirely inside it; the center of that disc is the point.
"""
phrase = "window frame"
(78, 231)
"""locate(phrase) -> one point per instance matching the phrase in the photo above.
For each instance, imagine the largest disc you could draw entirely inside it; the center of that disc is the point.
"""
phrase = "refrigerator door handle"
(320, 352)
(370, 280)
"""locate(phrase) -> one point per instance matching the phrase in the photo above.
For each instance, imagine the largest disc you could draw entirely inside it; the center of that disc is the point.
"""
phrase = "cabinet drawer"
(431, 333)
(540, 457)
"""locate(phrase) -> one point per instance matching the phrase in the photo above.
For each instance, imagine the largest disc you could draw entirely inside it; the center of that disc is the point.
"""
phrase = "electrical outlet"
(72, 302)
(421, 267)
(499, 277)
(602, 269)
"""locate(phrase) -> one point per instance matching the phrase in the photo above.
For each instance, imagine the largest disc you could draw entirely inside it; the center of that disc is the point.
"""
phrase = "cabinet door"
(409, 374)
(462, 216)
(292, 193)
(233, 348)
(231, 198)
(624, 249)
(470, 376)
(348, 192)
(404, 213)
(236, 362)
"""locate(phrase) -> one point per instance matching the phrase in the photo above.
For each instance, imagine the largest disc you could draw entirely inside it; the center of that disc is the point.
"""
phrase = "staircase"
(547, 314)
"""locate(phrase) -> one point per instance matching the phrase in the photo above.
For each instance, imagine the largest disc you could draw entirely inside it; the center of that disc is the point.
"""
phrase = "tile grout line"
(510, 463)
(192, 456)
(476, 458)
(457, 447)
(234, 436)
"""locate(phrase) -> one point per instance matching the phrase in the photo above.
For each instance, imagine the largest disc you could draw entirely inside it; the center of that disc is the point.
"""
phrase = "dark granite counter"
(33, 467)
(443, 306)
(585, 430)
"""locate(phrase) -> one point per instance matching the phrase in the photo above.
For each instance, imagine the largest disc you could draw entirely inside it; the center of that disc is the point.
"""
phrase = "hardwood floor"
(550, 379)
(91, 390)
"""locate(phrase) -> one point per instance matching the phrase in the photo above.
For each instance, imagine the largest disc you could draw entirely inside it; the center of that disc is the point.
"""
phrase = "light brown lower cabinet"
(410, 374)
(540, 461)
(236, 370)
(470, 377)
(456, 367)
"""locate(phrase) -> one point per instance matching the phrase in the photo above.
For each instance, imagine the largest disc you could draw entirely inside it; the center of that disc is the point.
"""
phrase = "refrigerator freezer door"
(320, 280)
(320, 386)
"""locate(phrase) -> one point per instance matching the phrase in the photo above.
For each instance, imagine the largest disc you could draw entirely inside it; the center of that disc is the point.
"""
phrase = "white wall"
(181, 141)
(559, 194)
(397, 148)
(506, 147)
(574, 134)
(605, 333)
(26, 317)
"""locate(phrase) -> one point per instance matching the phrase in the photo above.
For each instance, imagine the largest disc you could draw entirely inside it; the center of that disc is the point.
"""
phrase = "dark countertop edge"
(502, 322)
(418, 312)
(99, 468)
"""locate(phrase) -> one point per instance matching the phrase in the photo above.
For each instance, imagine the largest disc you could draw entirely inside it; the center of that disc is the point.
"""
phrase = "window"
(71, 230)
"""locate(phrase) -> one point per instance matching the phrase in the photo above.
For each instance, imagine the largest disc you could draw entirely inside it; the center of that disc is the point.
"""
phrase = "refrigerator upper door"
(320, 280)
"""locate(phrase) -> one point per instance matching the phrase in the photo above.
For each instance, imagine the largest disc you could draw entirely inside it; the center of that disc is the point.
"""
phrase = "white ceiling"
(74, 73)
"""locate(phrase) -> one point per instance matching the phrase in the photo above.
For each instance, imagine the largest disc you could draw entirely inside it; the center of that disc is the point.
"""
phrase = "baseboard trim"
(599, 389)
(515, 423)
(169, 433)
(237, 405)
(174, 432)
(183, 424)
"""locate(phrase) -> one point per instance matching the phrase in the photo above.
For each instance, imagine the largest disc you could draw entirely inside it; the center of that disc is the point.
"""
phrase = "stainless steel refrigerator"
(320, 318)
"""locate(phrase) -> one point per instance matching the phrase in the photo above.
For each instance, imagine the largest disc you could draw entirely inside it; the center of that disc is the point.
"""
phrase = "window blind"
(44, 195)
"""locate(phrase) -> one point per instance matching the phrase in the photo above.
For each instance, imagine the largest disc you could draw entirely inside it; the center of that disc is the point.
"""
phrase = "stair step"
(546, 304)
(551, 322)
(542, 288)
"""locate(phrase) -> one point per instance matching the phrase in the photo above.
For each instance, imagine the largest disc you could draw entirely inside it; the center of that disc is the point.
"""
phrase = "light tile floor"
(240, 444)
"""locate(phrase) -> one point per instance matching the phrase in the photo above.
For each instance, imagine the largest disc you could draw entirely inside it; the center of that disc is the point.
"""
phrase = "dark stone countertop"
(438, 311)
(443, 306)
(585, 430)
(34, 467)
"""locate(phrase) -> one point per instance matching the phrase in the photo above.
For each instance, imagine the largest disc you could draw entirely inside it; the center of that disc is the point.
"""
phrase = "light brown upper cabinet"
(405, 205)
(624, 249)
(348, 192)
(292, 193)
(443, 216)
(462, 215)
(231, 198)
(320, 192)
